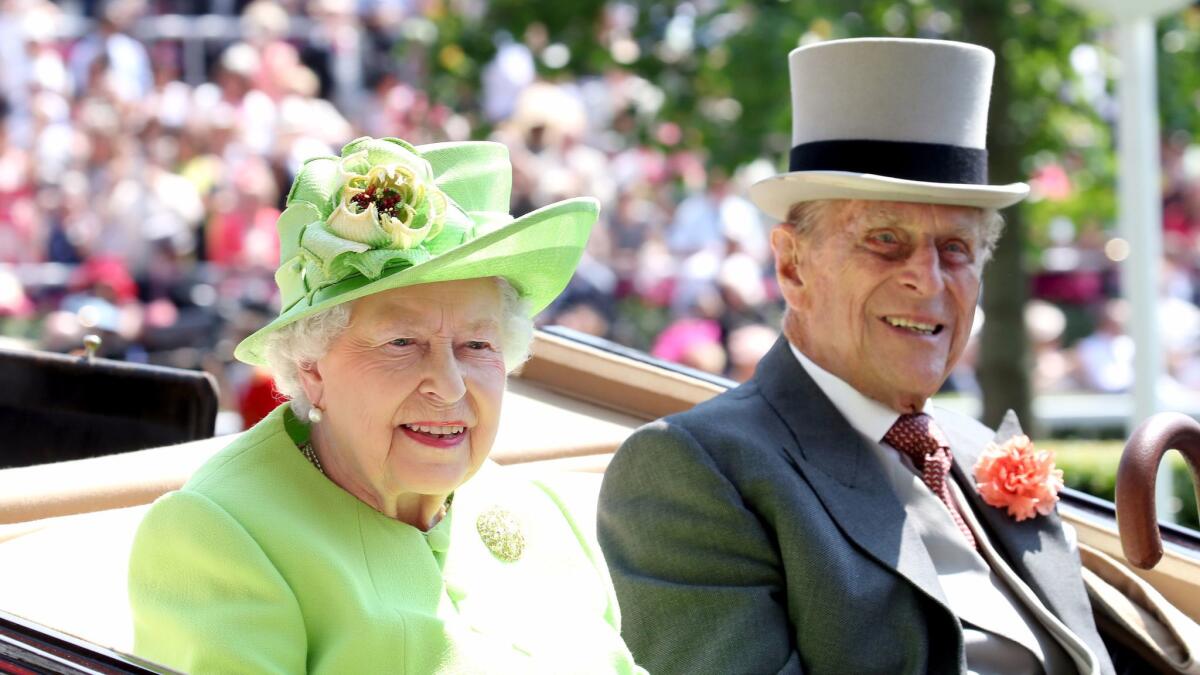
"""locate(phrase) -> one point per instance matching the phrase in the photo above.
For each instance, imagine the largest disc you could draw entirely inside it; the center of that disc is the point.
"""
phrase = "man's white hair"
(298, 345)
(805, 217)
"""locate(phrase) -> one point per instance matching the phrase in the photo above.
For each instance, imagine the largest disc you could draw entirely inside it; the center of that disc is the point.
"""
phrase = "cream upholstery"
(69, 572)
(537, 426)
(100, 483)
(71, 575)
(66, 528)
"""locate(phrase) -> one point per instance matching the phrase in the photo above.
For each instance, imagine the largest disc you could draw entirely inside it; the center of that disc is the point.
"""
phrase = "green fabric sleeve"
(698, 578)
(587, 542)
(571, 494)
(205, 598)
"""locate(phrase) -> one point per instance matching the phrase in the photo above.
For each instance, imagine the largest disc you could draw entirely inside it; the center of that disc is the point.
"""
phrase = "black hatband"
(926, 162)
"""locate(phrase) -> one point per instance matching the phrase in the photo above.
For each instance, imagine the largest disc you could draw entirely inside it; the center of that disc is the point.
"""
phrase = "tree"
(722, 68)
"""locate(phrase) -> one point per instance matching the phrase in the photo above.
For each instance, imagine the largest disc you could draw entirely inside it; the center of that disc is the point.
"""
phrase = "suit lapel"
(1036, 549)
(835, 460)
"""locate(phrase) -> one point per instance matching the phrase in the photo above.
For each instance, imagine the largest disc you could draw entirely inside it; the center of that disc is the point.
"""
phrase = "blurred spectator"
(258, 398)
(1053, 369)
(19, 238)
(699, 224)
(743, 293)
(141, 205)
(1106, 356)
(102, 300)
(695, 343)
(505, 77)
(46, 70)
(747, 346)
(112, 59)
(584, 317)
(265, 27)
(241, 232)
(13, 300)
(962, 378)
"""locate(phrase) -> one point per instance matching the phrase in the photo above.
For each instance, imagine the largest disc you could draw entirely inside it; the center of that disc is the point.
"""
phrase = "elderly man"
(823, 517)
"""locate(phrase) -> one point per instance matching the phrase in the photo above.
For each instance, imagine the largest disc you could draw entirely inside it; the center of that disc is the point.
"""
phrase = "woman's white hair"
(298, 345)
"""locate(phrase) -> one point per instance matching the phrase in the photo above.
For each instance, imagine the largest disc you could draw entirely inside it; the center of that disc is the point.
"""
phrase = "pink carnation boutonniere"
(1018, 477)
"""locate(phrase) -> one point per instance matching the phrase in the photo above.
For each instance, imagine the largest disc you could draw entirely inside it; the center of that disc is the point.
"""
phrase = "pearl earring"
(314, 415)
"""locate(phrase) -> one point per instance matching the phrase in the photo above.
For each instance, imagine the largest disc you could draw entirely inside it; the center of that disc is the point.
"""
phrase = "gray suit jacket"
(756, 533)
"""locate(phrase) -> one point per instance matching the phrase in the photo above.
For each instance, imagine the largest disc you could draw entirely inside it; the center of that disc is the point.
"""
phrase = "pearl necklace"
(311, 455)
(308, 451)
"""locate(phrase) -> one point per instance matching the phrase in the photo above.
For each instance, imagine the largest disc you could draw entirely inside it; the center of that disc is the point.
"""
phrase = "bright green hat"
(386, 214)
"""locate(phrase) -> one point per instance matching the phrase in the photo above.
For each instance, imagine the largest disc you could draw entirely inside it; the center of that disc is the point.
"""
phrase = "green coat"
(261, 564)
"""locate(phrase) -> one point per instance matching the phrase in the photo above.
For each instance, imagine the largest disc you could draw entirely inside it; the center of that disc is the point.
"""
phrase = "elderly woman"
(358, 527)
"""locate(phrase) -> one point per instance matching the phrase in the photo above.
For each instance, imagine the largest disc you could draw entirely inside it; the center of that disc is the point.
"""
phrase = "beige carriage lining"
(66, 528)
(538, 426)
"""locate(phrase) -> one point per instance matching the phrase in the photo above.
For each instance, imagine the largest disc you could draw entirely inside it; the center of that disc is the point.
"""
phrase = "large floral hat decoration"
(386, 214)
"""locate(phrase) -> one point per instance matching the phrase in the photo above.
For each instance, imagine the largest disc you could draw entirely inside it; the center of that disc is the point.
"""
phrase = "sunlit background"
(147, 147)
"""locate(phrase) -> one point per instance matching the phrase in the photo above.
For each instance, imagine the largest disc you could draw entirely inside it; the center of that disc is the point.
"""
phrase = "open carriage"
(66, 527)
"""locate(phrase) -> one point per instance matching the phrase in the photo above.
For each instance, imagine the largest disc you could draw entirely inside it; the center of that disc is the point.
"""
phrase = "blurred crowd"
(138, 200)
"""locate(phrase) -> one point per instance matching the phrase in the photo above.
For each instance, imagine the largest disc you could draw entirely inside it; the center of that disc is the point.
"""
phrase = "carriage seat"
(69, 572)
(66, 529)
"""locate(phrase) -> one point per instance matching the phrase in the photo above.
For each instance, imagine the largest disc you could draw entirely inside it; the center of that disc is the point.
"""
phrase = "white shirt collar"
(868, 416)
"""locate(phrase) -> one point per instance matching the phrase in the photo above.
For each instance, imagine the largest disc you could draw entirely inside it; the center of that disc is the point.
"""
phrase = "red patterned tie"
(918, 437)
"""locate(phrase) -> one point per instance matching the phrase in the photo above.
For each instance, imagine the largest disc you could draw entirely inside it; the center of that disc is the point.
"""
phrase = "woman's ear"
(310, 380)
(788, 248)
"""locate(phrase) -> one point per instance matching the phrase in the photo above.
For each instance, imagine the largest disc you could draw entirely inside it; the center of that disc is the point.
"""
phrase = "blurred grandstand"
(146, 148)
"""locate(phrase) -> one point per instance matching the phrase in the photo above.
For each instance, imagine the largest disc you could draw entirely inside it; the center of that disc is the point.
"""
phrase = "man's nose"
(922, 271)
(443, 377)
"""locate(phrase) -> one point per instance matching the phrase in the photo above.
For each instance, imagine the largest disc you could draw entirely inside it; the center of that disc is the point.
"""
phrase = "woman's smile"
(436, 434)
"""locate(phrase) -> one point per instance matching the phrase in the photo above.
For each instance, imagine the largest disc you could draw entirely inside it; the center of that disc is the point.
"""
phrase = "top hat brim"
(536, 253)
(776, 195)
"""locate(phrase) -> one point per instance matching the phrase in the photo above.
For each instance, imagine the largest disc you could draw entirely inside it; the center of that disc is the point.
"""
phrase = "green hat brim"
(537, 253)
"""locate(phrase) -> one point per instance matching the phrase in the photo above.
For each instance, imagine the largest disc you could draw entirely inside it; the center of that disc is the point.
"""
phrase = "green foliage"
(1091, 466)
(1178, 76)
(722, 68)
(726, 83)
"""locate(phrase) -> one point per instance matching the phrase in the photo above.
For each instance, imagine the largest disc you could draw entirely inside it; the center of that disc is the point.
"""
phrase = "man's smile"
(918, 326)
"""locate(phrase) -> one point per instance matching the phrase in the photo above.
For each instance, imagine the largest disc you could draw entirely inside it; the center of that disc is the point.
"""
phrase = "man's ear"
(788, 247)
(311, 381)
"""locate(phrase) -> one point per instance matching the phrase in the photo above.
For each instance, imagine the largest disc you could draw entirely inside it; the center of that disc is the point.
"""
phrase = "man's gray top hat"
(888, 119)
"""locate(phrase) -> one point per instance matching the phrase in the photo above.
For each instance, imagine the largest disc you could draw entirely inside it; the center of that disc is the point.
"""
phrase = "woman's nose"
(443, 377)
